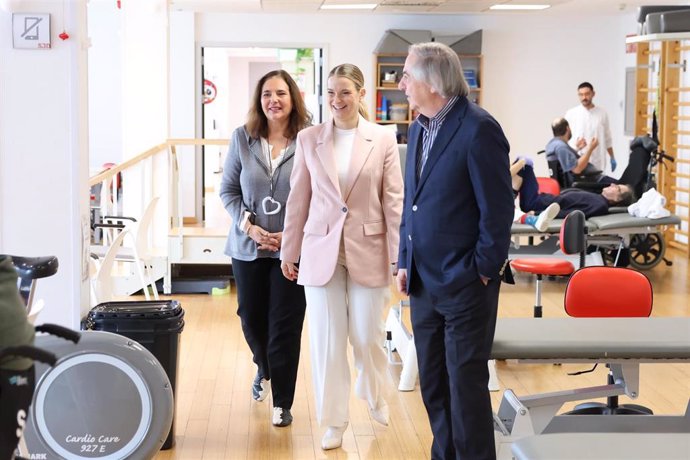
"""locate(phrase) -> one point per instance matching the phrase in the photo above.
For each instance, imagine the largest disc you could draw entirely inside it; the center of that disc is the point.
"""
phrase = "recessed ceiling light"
(352, 6)
(514, 6)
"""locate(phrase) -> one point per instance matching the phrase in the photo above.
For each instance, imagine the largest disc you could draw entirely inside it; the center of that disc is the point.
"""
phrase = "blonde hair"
(352, 73)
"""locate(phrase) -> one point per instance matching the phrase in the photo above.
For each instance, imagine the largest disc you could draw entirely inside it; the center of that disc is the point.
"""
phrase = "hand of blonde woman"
(290, 270)
(401, 280)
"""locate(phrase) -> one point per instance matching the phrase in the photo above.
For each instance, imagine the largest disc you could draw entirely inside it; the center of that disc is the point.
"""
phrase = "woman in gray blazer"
(254, 190)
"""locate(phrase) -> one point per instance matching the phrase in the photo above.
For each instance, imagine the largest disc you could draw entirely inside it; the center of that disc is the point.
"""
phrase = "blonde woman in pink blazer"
(342, 226)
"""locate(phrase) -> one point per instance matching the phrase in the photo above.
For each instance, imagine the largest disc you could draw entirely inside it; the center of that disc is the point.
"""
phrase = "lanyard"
(269, 205)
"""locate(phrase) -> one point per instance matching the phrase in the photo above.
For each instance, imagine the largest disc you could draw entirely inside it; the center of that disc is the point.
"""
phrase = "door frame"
(199, 179)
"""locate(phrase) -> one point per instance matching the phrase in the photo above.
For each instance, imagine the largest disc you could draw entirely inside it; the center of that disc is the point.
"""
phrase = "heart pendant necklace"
(273, 204)
(269, 205)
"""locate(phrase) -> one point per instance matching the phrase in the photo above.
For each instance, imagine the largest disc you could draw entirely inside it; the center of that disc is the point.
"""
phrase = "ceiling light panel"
(463, 6)
(348, 6)
(239, 6)
(519, 6)
(287, 6)
(430, 3)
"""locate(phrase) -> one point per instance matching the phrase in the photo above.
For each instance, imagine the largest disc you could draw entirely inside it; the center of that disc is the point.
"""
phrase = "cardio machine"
(106, 397)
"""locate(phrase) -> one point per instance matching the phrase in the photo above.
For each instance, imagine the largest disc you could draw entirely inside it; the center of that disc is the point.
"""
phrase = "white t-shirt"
(343, 140)
(591, 123)
(267, 149)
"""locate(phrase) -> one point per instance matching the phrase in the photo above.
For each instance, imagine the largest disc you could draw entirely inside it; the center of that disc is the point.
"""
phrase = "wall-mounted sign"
(31, 31)
(210, 91)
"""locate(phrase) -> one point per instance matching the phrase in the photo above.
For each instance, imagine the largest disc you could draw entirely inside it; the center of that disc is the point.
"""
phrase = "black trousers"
(271, 310)
(453, 342)
(16, 391)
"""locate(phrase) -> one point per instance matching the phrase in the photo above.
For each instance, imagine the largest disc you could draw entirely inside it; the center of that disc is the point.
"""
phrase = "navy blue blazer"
(456, 218)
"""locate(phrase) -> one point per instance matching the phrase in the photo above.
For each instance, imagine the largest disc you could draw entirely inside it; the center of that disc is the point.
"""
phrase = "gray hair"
(439, 66)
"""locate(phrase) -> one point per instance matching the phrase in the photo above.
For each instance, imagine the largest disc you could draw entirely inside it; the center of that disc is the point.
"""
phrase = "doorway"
(229, 75)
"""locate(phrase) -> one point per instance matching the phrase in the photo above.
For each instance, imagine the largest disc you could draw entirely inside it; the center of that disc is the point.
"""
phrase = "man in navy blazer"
(454, 239)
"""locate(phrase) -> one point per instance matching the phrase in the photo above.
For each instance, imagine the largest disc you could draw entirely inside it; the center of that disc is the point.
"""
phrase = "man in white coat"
(588, 121)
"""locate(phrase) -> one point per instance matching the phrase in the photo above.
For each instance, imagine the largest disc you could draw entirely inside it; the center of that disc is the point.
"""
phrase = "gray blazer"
(245, 183)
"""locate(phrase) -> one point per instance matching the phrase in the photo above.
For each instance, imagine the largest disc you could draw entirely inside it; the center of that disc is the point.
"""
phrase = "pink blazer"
(368, 218)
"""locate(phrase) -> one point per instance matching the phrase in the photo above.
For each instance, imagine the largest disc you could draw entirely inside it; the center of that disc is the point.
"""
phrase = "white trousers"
(339, 310)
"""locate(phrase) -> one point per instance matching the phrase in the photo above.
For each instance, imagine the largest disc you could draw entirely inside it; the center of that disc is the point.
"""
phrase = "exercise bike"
(16, 379)
(106, 397)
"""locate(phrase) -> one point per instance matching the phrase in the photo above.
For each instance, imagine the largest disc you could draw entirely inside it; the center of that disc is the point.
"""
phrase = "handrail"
(100, 177)
(198, 142)
(105, 175)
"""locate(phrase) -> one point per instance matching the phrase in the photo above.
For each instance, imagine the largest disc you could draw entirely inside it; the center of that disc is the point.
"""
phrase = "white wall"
(184, 97)
(532, 65)
(43, 154)
(144, 75)
(144, 104)
(105, 84)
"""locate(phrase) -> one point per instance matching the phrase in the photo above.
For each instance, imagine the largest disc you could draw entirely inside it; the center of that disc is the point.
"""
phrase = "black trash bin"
(155, 324)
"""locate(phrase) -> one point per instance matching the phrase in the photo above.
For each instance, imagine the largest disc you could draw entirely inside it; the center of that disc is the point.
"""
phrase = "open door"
(229, 76)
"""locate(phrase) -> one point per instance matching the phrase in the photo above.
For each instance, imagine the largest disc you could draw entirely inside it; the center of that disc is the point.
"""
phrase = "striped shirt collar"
(437, 120)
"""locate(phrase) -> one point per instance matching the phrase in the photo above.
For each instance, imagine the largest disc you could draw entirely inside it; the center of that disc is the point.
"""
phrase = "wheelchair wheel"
(614, 257)
(646, 250)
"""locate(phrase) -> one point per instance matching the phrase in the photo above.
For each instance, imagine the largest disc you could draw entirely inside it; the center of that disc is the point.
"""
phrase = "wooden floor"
(217, 419)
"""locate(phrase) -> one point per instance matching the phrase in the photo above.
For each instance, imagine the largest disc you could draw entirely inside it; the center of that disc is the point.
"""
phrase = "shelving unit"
(663, 82)
(394, 62)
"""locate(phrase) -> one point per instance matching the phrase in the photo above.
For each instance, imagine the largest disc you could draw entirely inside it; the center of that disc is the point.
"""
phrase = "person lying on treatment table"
(548, 207)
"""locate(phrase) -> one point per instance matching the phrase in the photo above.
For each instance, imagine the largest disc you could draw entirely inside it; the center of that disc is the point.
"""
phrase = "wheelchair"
(644, 251)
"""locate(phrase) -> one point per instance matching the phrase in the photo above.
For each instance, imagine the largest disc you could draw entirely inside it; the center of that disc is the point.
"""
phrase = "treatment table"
(530, 424)
(530, 428)
(617, 231)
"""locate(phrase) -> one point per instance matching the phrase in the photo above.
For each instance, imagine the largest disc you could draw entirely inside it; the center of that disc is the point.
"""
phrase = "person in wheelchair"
(16, 373)
(591, 204)
(567, 163)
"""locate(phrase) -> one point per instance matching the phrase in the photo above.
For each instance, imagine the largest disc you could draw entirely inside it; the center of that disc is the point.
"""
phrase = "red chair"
(572, 241)
(606, 292)
(548, 185)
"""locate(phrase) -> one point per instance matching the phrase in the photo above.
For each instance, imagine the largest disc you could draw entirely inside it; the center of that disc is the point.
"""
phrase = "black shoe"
(259, 388)
(281, 417)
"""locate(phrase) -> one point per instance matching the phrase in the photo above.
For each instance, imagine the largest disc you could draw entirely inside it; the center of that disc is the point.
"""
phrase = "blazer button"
(409, 237)
(344, 209)
(414, 207)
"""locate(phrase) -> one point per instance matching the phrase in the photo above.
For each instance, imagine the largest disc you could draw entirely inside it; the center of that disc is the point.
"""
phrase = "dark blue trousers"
(453, 342)
(271, 309)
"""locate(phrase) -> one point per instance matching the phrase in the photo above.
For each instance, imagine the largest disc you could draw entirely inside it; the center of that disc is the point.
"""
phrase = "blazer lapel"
(289, 152)
(413, 150)
(448, 129)
(258, 152)
(361, 149)
(324, 151)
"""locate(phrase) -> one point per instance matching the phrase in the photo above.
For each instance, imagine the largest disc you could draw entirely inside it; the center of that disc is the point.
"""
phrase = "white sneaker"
(333, 437)
(260, 388)
(281, 417)
(546, 217)
(380, 414)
